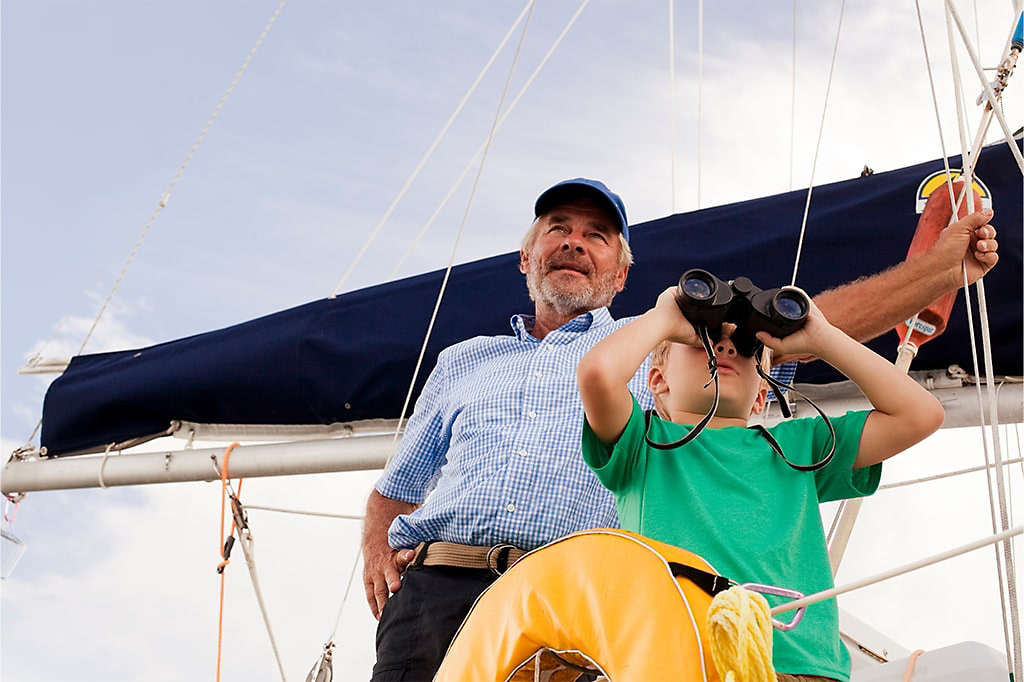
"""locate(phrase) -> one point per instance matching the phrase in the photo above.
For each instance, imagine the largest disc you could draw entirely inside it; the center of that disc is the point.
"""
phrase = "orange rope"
(224, 560)
(909, 673)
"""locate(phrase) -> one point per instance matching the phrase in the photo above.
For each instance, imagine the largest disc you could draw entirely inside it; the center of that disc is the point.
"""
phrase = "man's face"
(573, 265)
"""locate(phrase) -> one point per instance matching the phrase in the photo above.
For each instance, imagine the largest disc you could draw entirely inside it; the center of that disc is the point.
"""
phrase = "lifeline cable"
(817, 146)
(433, 146)
(462, 227)
(1008, 558)
(512, 105)
(967, 162)
(672, 113)
(1008, 594)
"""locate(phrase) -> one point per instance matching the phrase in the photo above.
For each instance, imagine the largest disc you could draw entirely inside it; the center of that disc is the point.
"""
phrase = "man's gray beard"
(570, 302)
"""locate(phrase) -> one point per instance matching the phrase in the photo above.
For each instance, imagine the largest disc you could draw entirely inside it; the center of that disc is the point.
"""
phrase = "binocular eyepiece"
(706, 300)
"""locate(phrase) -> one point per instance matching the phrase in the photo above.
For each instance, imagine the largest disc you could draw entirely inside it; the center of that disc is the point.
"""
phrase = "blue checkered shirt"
(495, 440)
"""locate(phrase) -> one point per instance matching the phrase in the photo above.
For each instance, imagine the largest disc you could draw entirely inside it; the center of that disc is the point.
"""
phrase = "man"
(496, 431)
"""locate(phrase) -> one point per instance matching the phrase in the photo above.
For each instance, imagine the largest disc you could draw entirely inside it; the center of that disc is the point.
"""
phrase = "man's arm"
(382, 565)
(870, 306)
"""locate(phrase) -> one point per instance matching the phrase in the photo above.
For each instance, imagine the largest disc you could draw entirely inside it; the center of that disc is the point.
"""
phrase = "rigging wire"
(792, 101)
(166, 196)
(894, 572)
(817, 146)
(1010, 594)
(947, 474)
(465, 171)
(430, 151)
(672, 93)
(700, 92)
(993, 102)
(462, 227)
(302, 512)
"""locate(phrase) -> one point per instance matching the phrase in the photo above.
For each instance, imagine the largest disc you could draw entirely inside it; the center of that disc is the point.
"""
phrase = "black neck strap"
(765, 433)
(699, 426)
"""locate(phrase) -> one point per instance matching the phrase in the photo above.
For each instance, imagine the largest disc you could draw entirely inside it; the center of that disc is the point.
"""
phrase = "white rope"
(1010, 621)
(993, 101)
(103, 466)
(1009, 562)
(166, 196)
(465, 171)
(462, 227)
(935, 104)
(988, 463)
(181, 169)
(792, 102)
(351, 517)
(700, 92)
(672, 92)
(948, 474)
(894, 572)
(249, 550)
(817, 146)
(437, 140)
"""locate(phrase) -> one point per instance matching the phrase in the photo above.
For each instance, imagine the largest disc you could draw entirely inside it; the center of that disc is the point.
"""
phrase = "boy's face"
(680, 380)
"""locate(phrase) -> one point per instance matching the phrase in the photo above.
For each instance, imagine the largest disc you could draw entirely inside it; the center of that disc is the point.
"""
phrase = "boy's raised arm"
(905, 413)
(605, 371)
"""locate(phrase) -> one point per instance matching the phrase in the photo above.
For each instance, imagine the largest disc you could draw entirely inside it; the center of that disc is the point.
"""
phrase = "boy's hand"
(811, 340)
(677, 327)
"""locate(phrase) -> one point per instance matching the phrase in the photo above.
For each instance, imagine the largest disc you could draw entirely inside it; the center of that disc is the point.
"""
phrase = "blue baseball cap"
(580, 188)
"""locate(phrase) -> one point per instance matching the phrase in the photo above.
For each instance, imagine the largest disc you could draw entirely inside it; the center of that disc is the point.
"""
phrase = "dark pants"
(420, 620)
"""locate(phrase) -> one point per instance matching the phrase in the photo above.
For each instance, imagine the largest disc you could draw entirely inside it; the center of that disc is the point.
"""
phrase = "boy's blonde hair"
(659, 357)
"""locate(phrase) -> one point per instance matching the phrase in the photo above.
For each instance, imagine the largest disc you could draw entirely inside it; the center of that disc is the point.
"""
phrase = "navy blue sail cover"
(352, 357)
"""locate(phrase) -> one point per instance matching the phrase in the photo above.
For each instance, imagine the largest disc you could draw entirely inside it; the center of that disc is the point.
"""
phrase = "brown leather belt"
(497, 558)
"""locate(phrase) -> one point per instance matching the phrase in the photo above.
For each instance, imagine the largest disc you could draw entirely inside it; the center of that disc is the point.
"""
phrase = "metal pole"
(249, 461)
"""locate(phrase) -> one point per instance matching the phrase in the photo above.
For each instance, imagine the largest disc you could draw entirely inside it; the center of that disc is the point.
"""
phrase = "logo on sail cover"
(937, 180)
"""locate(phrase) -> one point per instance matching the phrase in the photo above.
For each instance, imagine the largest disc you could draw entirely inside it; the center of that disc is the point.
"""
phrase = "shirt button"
(510, 507)
(522, 453)
(531, 414)
(537, 374)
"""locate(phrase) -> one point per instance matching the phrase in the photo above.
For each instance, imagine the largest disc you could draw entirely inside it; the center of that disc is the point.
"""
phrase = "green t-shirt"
(729, 498)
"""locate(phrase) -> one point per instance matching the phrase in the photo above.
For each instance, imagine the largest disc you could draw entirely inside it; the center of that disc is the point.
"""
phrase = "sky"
(100, 105)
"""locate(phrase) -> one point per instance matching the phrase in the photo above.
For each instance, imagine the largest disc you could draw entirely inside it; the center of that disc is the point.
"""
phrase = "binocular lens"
(697, 288)
(790, 306)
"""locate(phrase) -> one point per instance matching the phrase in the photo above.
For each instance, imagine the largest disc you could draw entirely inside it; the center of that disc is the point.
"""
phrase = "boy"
(726, 495)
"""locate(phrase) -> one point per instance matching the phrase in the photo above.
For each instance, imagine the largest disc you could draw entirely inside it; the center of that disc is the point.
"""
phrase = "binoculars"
(706, 300)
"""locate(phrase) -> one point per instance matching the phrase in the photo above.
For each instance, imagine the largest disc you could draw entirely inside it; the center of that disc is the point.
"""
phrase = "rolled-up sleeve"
(413, 470)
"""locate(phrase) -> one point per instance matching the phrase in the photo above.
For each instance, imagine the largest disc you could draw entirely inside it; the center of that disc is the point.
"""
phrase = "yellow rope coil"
(740, 633)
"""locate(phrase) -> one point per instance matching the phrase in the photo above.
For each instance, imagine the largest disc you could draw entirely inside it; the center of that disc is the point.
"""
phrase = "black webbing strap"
(699, 426)
(711, 583)
(784, 404)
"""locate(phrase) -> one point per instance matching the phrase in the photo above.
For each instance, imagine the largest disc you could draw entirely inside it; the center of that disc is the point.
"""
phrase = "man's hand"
(971, 240)
(382, 565)
(382, 571)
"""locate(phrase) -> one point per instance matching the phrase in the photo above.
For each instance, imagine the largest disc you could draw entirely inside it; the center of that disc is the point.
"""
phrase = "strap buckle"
(497, 557)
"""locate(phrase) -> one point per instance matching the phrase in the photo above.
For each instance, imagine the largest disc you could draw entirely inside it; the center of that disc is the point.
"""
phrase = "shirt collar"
(522, 324)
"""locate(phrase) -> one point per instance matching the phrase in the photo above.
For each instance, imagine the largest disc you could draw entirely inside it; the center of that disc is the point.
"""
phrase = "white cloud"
(125, 581)
(111, 332)
(120, 584)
